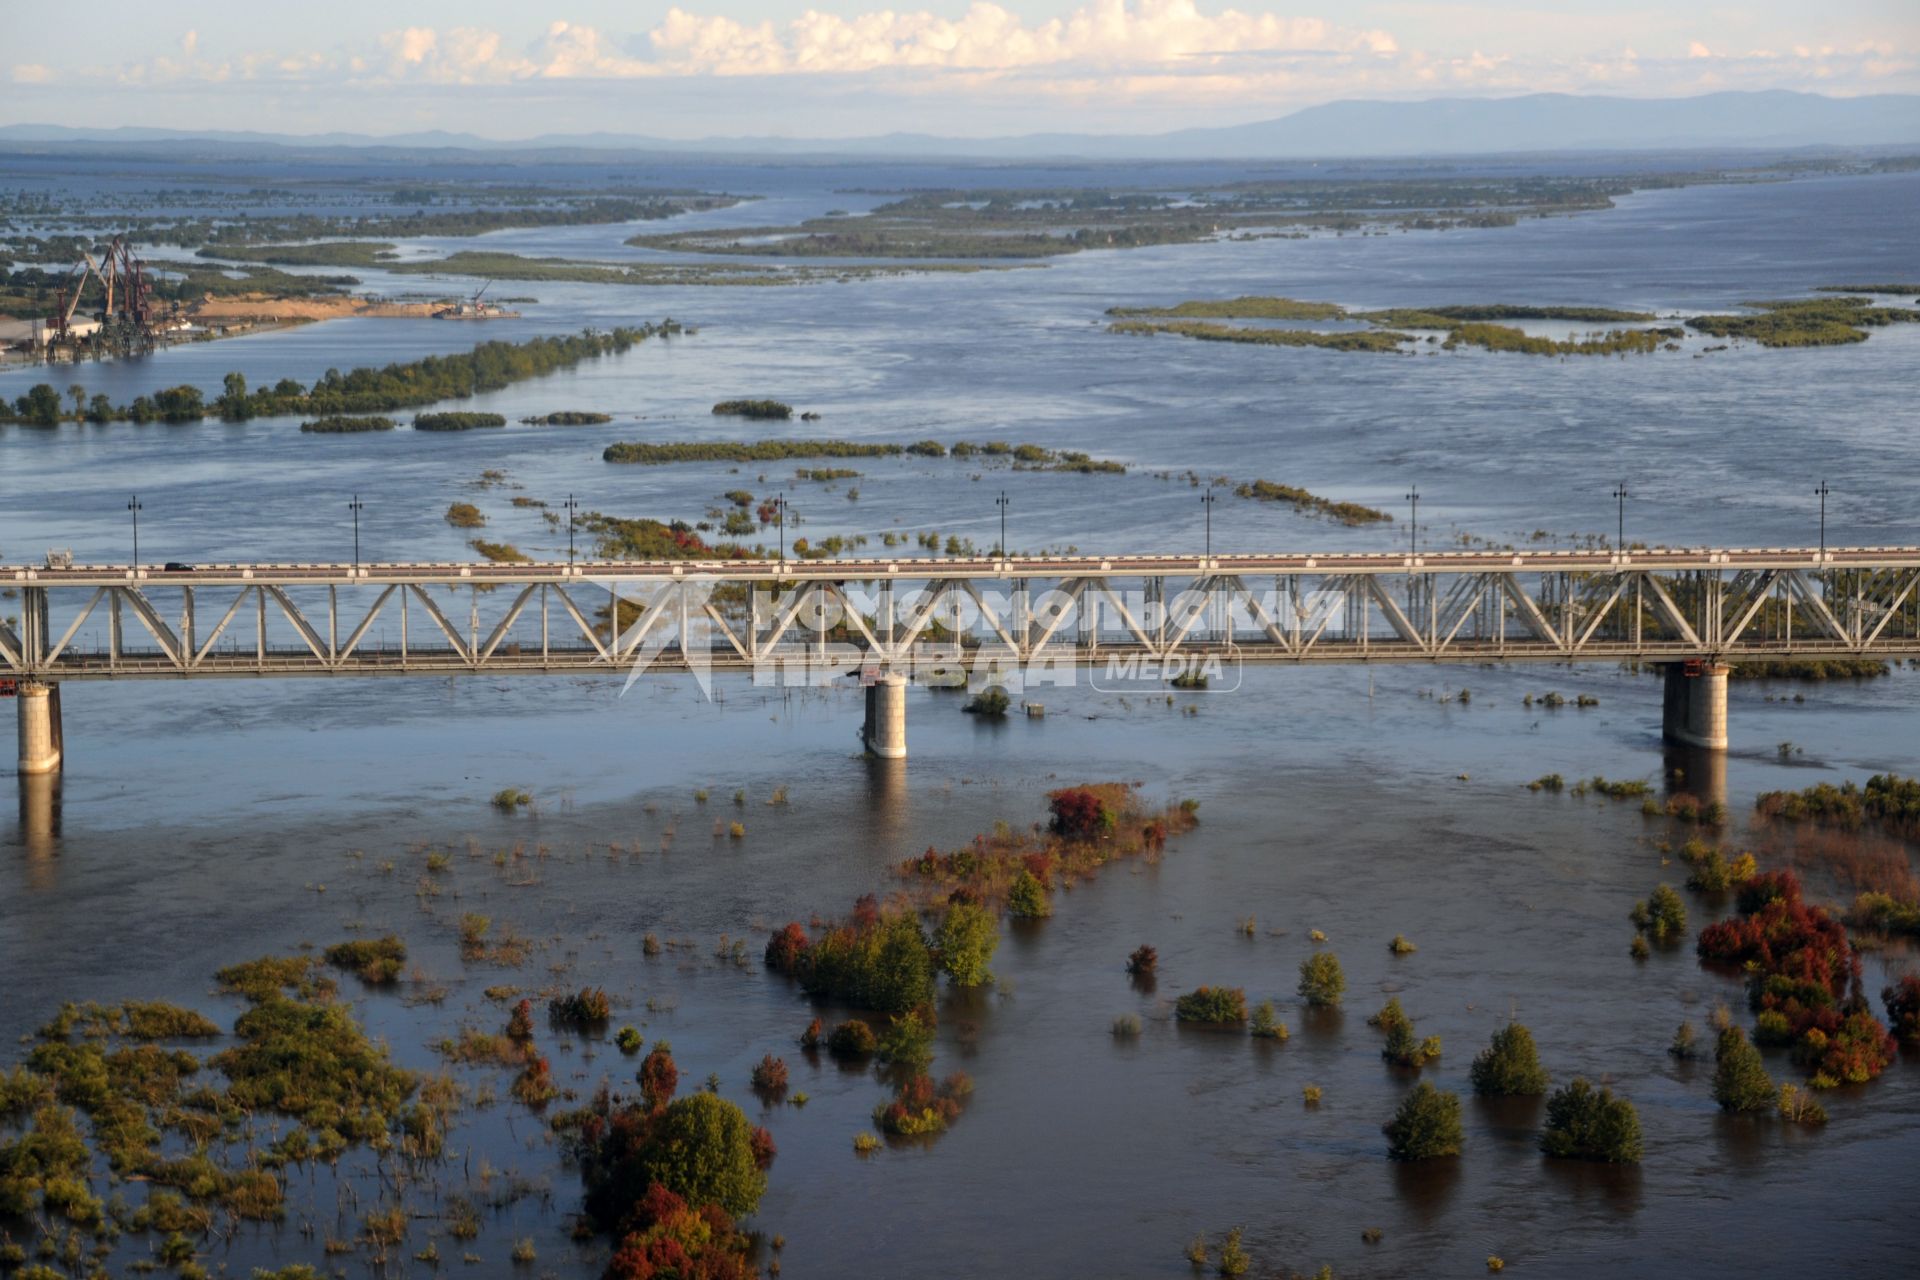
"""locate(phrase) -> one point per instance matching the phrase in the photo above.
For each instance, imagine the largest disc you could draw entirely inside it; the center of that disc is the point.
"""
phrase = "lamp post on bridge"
(1620, 533)
(133, 505)
(573, 509)
(780, 519)
(1001, 502)
(1413, 523)
(1207, 499)
(356, 506)
(1821, 493)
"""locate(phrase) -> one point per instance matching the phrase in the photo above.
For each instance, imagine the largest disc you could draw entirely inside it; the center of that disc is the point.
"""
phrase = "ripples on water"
(199, 822)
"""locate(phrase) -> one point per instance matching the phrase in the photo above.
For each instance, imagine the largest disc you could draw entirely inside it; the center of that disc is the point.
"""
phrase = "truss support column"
(40, 738)
(885, 732)
(1694, 705)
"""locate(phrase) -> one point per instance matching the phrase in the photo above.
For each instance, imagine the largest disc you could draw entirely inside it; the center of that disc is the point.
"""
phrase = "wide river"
(198, 824)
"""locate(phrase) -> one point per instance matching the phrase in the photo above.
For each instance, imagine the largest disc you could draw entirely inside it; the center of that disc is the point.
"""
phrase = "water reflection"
(1617, 1187)
(1696, 772)
(40, 827)
(888, 811)
(1427, 1187)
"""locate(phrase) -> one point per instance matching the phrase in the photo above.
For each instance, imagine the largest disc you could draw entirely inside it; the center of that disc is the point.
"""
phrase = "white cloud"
(32, 73)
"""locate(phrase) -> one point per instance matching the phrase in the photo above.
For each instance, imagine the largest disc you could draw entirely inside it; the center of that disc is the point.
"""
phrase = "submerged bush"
(1321, 981)
(1661, 916)
(375, 960)
(1426, 1125)
(1685, 1045)
(1143, 961)
(1405, 1049)
(1588, 1124)
(1740, 1081)
(787, 949)
(874, 961)
(1266, 1025)
(586, 1008)
(1027, 899)
(1213, 1006)
(701, 1148)
(1798, 1106)
(1082, 813)
(1903, 1007)
(921, 1107)
(965, 942)
(770, 1075)
(852, 1039)
(992, 703)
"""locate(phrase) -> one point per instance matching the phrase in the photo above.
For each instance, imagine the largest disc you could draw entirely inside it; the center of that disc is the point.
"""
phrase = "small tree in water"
(1321, 981)
(1426, 1125)
(1509, 1066)
(1584, 1123)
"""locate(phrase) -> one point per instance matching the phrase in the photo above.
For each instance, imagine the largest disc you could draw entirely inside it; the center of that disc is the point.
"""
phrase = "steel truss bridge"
(268, 620)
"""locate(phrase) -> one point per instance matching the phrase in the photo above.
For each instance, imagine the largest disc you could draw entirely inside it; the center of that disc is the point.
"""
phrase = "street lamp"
(133, 505)
(1413, 525)
(356, 506)
(1620, 533)
(1001, 502)
(1207, 500)
(1821, 493)
(572, 509)
(780, 518)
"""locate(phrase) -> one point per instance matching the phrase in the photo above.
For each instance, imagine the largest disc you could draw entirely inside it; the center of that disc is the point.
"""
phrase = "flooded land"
(1362, 970)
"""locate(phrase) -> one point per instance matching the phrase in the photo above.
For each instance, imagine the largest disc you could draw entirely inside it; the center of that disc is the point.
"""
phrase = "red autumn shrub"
(1042, 866)
(813, 1037)
(1079, 813)
(763, 1149)
(520, 1025)
(665, 1239)
(1801, 970)
(770, 1074)
(921, 1107)
(659, 1077)
(787, 949)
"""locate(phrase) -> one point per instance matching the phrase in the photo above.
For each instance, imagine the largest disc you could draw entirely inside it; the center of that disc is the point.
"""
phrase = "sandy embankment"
(260, 307)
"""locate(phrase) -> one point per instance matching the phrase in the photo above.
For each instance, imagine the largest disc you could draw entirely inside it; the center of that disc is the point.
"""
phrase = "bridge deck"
(90, 622)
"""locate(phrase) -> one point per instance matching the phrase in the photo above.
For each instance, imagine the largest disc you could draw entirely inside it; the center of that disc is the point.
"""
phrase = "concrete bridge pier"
(1693, 708)
(885, 731)
(40, 739)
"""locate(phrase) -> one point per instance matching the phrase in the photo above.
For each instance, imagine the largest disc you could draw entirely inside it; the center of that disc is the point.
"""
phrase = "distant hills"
(1770, 120)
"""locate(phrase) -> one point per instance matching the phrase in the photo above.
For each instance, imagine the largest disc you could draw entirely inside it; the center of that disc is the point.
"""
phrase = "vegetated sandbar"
(512, 266)
(488, 367)
(1793, 322)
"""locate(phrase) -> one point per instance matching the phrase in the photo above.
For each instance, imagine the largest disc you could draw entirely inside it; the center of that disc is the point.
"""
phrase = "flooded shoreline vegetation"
(1406, 1049)
(1584, 1123)
(338, 253)
(1802, 980)
(1347, 513)
(1090, 826)
(456, 421)
(569, 418)
(1885, 913)
(464, 515)
(495, 265)
(1888, 801)
(767, 409)
(1809, 669)
(1909, 288)
(989, 703)
(1426, 1126)
(1266, 1023)
(1509, 1066)
(1805, 322)
(339, 425)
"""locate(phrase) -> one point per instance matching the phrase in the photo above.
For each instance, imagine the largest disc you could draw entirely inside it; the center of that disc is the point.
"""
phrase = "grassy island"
(768, 409)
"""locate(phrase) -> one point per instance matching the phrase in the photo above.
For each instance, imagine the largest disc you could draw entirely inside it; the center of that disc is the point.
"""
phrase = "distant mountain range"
(1442, 126)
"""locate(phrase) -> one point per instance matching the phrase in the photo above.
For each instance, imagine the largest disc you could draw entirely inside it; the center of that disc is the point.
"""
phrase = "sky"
(713, 68)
